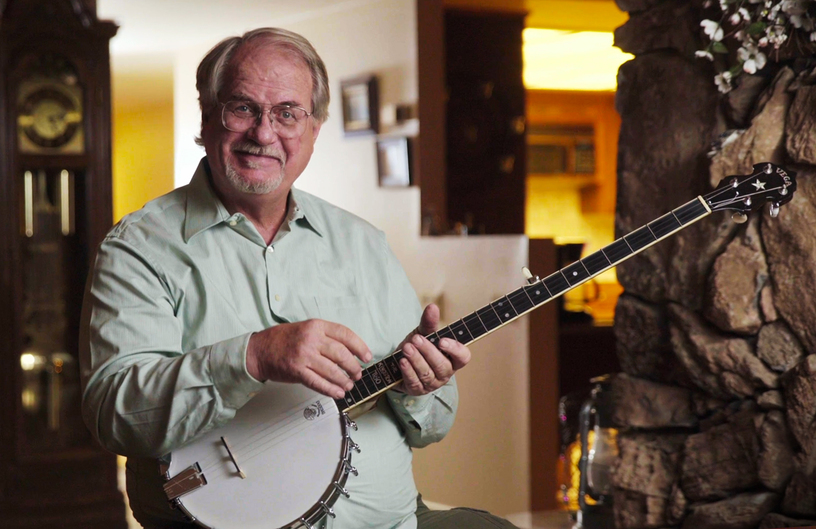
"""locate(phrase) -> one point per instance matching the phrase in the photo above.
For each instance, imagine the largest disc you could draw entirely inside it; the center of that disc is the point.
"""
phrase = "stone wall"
(716, 328)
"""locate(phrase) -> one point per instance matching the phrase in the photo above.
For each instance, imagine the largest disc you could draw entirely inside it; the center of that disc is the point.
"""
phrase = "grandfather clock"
(55, 207)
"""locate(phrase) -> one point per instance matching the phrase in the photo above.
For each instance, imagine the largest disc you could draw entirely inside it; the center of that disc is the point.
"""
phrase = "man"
(238, 278)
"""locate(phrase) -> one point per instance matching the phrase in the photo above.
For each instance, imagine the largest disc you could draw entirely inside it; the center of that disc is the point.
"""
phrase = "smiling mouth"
(252, 157)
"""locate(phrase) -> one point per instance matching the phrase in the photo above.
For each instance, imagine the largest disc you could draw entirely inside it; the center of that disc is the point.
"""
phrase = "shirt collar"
(205, 209)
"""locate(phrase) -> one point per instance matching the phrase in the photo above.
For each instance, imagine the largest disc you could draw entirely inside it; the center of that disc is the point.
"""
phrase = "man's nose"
(264, 132)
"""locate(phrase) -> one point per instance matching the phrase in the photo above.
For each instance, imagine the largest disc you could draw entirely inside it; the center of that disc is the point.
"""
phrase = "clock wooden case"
(55, 205)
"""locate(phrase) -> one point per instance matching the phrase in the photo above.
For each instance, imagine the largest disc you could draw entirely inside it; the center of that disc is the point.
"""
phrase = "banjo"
(288, 452)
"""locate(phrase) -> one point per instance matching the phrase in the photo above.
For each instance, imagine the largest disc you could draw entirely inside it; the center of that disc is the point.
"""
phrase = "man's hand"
(426, 368)
(316, 353)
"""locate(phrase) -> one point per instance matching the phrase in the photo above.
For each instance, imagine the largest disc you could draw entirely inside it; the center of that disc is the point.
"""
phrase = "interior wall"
(142, 134)
(567, 209)
(484, 462)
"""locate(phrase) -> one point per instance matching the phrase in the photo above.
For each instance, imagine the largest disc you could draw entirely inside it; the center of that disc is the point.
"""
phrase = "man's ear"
(316, 129)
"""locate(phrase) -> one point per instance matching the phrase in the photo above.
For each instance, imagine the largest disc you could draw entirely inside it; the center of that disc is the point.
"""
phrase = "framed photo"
(360, 105)
(394, 162)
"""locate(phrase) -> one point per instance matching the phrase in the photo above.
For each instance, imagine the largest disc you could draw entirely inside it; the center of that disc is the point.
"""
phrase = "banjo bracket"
(188, 480)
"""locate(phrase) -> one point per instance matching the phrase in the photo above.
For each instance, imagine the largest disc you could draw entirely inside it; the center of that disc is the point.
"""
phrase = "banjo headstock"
(767, 184)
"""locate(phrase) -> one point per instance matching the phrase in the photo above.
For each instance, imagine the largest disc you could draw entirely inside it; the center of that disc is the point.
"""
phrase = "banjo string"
(265, 436)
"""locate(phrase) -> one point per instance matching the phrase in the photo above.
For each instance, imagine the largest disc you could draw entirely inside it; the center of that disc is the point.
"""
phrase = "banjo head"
(288, 441)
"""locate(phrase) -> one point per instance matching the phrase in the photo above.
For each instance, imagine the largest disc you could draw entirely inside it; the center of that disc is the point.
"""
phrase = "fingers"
(319, 383)
(426, 368)
(321, 355)
(429, 320)
(351, 341)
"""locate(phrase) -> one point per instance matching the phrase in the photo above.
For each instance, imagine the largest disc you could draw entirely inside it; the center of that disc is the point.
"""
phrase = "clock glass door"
(53, 278)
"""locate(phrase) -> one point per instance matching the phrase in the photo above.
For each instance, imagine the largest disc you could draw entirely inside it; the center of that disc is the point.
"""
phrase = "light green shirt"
(177, 289)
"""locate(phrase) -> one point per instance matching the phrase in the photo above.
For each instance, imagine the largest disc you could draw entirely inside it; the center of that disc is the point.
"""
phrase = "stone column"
(716, 328)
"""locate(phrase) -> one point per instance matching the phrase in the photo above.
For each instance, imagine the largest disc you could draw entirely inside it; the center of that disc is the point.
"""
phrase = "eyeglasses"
(288, 121)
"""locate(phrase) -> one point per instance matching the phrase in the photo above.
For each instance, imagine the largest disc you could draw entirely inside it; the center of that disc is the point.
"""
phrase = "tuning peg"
(528, 275)
(774, 209)
(739, 217)
(768, 169)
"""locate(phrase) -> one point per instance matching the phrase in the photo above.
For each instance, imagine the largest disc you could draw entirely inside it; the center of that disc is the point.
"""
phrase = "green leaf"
(756, 29)
(718, 47)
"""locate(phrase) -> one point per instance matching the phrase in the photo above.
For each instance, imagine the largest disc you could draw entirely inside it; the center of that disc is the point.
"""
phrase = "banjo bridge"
(188, 480)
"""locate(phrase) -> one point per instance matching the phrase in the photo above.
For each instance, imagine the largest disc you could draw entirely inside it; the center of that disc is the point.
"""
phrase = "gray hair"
(210, 74)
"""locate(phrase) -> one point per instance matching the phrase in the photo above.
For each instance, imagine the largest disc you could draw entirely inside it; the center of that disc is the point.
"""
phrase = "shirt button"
(233, 222)
(269, 249)
(410, 402)
(277, 297)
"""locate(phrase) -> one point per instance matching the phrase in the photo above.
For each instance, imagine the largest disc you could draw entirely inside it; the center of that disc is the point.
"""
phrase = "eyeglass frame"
(260, 113)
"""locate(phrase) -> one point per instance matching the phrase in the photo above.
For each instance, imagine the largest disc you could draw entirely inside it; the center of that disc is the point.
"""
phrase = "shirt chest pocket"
(355, 313)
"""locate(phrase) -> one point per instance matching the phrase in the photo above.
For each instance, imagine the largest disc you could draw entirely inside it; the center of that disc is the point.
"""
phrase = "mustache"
(257, 150)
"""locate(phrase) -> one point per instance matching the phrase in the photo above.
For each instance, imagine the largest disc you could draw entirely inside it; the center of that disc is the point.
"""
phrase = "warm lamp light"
(571, 60)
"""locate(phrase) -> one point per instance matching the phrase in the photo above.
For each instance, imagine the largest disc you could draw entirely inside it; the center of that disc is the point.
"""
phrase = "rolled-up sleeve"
(143, 395)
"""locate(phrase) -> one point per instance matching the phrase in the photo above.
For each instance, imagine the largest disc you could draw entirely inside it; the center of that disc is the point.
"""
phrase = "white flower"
(763, 42)
(813, 37)
(752, 59)
(793, 7)
(704, 54)
(712, 29)
(745, 14)
(723, 82)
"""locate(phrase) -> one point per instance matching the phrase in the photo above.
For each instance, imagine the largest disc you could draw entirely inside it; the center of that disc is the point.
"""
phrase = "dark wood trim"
(544, 438)
(431, 146)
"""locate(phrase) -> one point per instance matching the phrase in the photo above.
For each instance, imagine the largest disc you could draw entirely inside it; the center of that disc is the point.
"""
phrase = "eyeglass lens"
(240, 116)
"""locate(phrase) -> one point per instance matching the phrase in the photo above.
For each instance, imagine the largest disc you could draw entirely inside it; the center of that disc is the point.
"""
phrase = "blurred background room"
(479, 135)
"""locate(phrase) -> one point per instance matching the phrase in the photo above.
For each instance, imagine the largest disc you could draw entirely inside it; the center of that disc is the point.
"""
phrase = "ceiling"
(159, 26)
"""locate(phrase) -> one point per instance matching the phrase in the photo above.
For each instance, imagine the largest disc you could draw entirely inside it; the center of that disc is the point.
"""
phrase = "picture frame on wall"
(360, 105)
(394, 162)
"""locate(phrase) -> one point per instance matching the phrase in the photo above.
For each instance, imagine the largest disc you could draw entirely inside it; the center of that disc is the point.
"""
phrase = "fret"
(460, 332)
(392, 364)
(520, 301)
(617, 251)
(664, 225)
(690, 212)
(364, 385)
(384, 373)
(504, 309)
(445, 333)
(356, 393)
(556, 283)
(474, 325)
(489, 317)
(596, 263)
(575, 273)
(346, 402)
(639, 239)
(538, 292)
(376, 379)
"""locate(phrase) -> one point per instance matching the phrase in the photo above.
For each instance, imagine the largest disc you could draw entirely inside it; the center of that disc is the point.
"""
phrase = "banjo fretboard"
(383, 375)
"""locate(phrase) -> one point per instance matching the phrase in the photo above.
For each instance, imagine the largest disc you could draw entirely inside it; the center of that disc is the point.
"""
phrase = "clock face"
(49, 118)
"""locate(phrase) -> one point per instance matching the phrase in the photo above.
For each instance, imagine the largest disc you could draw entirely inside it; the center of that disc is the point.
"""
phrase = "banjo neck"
(385, 374)
(768, 183)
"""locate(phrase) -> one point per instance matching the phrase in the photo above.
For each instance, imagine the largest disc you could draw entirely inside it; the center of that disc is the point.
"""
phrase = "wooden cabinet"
(55, 203)
(472, 147)
(485, 126)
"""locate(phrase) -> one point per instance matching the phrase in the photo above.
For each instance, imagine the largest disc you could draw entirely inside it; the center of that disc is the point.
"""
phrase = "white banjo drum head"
(288, 441)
